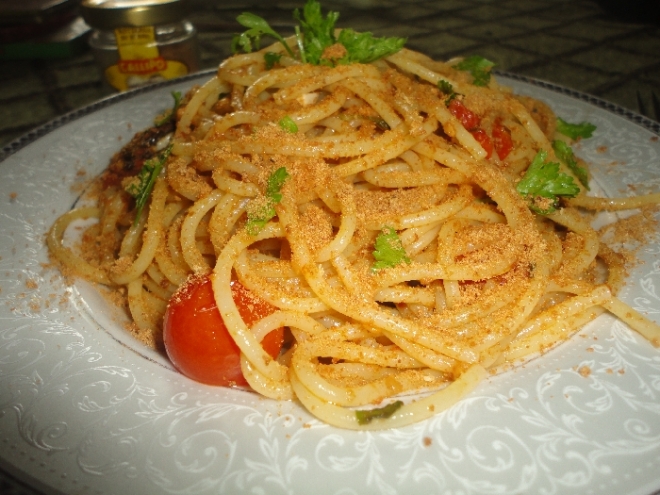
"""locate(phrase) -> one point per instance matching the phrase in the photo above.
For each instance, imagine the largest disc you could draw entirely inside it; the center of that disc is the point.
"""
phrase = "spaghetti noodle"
(375, 150)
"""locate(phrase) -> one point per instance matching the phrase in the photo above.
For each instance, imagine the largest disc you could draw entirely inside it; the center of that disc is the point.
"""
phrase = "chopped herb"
(363, 48)
(288, 125)
(259, 213)
(575, 131)
(314, 34)
(565, 154)
(389, 250)
(172, 113)
(275, 183)
(257, 27)
(479, 67)
(366, 416)
(258, 217)
(447, 89)
(145, 180)
(262, 211)
(380, 123)
(271, 58)
(543, 184)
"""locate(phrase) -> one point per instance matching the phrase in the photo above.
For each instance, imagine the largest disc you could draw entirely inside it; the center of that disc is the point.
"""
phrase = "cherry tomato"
(484, 140)
(468, 118)
(502, 140)
(196, 339)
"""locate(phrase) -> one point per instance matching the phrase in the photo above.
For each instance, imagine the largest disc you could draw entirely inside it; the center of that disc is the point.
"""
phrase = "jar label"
(140, 61)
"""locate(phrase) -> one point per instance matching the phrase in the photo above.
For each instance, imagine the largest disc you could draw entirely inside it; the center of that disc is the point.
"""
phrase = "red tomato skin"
(196, 338)
(468, 118)
(484, 140)
(502, 140)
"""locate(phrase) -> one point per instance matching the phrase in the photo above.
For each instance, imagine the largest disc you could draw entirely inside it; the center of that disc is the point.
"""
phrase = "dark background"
(608, 48)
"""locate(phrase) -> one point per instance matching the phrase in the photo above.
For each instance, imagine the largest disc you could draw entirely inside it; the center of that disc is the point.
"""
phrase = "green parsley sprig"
(363, 48)
(447, 88)
(141, 188)
(262, 211)
(315, 33)
(257, 27)
(389, 250)
(171, 115)
(544, 181)
(575, 131)
(366, 416)
(565, 154)
(479, 67)
(272, 58)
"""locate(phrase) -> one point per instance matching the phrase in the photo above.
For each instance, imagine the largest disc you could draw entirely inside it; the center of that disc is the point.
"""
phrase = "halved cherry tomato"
(502, 140)
(484, 140)
(197, 340)
(468, 118)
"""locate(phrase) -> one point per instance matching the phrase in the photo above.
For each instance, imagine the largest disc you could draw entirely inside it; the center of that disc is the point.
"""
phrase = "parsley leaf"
(363, 48)
(565, 154)
(575, 131)
(317, 33)
(314, 34)
(389, 250)
(271, 58)
(447, 89)
(275, 183)
(260, 212)
(142, 187)
(479, 67)
(257, 27)
(367, 415)
(288, 125)
(542, 185)
(172, 113)
(258, 217)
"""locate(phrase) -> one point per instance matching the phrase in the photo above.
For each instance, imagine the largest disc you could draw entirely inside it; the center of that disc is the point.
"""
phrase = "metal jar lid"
(111, 14)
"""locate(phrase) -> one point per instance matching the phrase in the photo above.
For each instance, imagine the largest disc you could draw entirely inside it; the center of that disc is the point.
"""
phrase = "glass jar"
(138, 42)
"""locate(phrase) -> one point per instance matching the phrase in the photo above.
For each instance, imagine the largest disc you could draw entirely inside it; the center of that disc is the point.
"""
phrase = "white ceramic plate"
(83, 409)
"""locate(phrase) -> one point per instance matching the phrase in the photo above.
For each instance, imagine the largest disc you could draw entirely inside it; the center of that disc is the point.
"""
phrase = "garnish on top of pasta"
(347, 230)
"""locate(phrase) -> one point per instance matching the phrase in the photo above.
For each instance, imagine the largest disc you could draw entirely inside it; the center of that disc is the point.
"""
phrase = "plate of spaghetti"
(334, 258)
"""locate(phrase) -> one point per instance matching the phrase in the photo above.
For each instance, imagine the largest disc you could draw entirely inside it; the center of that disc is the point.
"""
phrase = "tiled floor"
(575, 43)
